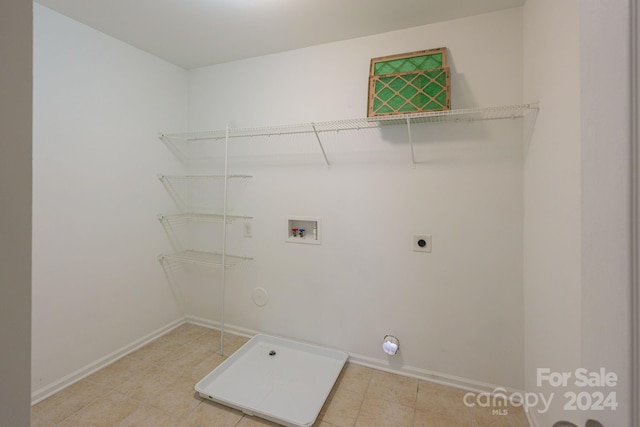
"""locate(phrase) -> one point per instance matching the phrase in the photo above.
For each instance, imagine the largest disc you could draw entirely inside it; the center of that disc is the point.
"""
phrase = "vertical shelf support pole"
(413, 155)
(224, 236)
(315, 131)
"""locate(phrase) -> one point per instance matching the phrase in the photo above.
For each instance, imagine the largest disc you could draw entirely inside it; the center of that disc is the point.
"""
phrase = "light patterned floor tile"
(355, 378)
(118, 372)
(441, 419)
(179, 399)
(436, 403)
(37, 421)
(209, 414)
(107, 411)
(393, 388)
(157, 351)
(184, 333)
(383, 413)
(185, 359)
(154, 387)
(146, 415)
(206, 366)
(68, 401)
(343, 407)
(248, 421)
(233, 343)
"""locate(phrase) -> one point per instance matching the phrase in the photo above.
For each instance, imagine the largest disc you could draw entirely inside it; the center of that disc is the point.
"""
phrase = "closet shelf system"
(318, 128)
(200, 211)
(192, 196)
(201, 199)
(172, 222)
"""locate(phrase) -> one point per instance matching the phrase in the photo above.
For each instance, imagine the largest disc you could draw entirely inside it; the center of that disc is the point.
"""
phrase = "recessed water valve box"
(422, 243)
(303, 230)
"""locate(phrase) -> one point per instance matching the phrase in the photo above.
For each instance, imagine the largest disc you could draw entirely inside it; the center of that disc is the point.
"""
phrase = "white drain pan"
(280, 380)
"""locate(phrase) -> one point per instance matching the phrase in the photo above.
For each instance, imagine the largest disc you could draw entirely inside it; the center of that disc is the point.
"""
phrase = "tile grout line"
(364, 396)
(415, 404)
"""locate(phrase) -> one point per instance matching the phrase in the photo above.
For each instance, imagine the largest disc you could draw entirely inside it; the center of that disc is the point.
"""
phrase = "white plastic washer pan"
(277, 379)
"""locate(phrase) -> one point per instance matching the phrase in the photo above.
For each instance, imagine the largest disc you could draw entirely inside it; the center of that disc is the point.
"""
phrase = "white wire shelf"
(460, 115)
(202, 177)
(317, 128)
(196, 193)
(202, 217)
(204, 258)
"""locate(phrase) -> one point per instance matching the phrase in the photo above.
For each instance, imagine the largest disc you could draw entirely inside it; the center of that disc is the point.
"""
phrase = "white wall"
(457, 311)
(98, 105)
(15, 215)
(577, 200)
(552, 225)
(606, 189)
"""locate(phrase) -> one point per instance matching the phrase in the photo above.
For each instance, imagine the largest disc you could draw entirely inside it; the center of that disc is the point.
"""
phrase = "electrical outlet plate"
(422, 243)
(248, 229)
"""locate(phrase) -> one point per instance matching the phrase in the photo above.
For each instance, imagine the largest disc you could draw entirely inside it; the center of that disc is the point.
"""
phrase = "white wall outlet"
(422, 243)
(248, 229)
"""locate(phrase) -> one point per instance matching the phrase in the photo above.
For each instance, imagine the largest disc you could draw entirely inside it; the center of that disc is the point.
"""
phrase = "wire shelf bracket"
(324, 154)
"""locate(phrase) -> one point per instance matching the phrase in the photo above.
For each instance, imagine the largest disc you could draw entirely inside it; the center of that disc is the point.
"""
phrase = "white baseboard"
(213, 324)
(431, 376)
(50, 389)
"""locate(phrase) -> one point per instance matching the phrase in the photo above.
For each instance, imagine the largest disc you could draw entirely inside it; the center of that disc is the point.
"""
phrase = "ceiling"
(196, 33)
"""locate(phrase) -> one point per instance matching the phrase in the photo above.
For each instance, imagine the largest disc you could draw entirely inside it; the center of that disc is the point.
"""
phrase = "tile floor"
(153, 386)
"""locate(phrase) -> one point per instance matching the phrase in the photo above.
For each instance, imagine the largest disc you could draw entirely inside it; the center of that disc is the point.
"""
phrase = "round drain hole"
(272, 353)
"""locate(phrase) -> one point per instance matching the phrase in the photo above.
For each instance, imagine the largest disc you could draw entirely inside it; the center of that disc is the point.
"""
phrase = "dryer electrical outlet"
(422, 243)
